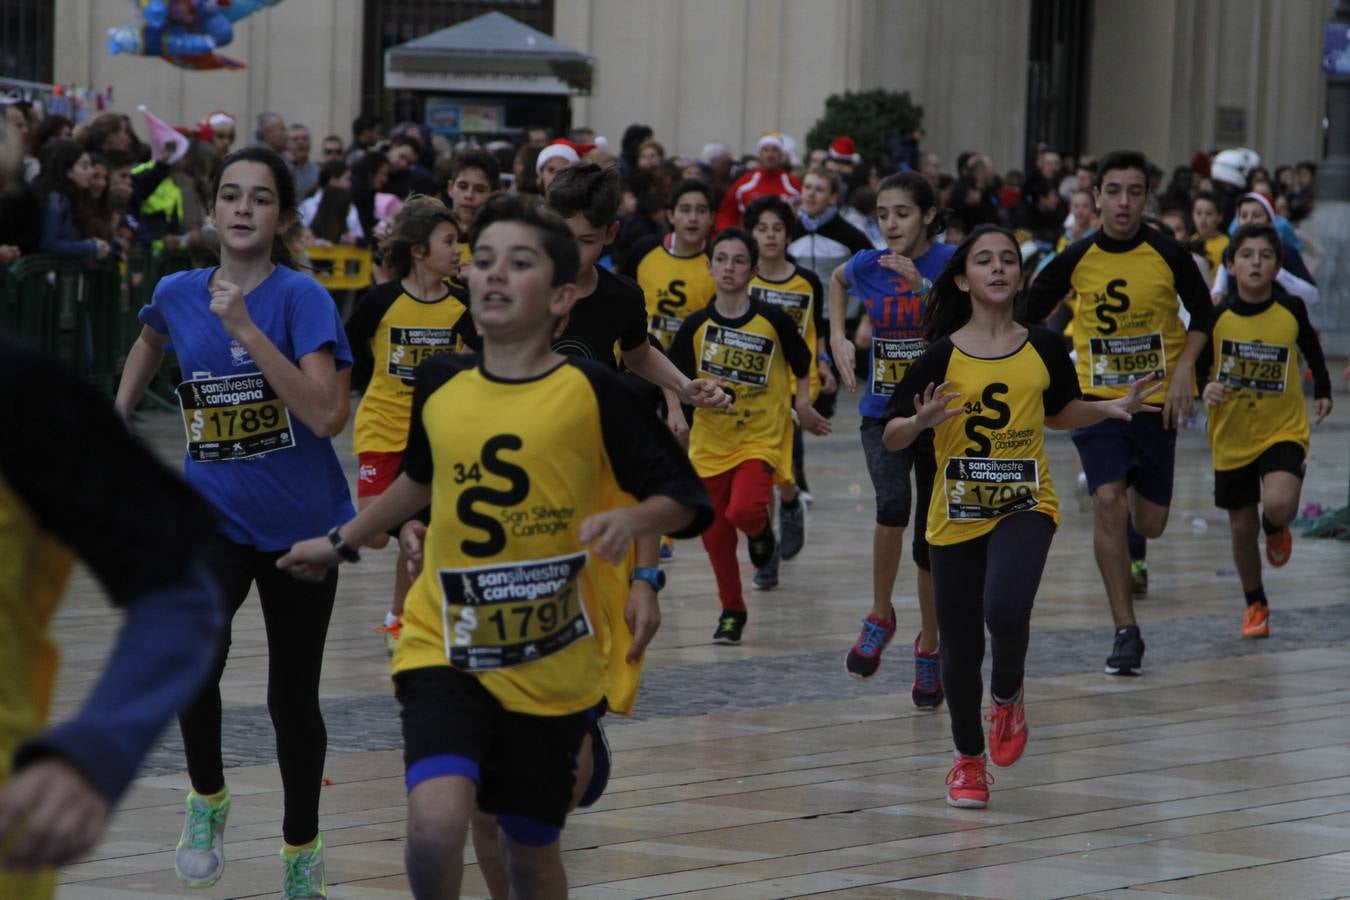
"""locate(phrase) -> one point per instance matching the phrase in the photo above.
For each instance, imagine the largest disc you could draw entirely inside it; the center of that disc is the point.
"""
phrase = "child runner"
(797, 291)
(892, 284)
(757, 351)
(265, 357)
(1207, 218)
(473, 182)
(993, 511)
(526, 458)
(1258, 422)
(394, 328)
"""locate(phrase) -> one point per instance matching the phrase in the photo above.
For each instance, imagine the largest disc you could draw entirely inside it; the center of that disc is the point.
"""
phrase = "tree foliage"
(875, 120)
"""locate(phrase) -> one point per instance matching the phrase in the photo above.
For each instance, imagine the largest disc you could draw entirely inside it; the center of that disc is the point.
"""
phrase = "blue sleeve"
(55, 223)
(165, 649)
(152, 313)
(315, 323)
(851, 269)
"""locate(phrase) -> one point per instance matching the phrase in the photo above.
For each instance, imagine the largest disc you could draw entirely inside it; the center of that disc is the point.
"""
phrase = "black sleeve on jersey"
(89, 483)
(817, 303)
(929, 368)
(1063, 379)
(1205, 362)
(1054, 282)
(464, 328)
(682, 347)
(362, 325)
(1308, 343)
(1186, 277)
(639, 251)
(1293, 262)
(795, 351)
(429, 376)
(632, 314)
(642, 452)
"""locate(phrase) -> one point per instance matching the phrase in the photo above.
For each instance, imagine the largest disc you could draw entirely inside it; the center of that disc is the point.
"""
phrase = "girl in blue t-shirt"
(892, 284)
(264, 361)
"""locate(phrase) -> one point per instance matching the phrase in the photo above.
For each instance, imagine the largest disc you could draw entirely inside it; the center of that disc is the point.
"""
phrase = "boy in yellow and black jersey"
(527, 459)
(758, 353)
(1128, 278)
(673, 271)
(1258, 421)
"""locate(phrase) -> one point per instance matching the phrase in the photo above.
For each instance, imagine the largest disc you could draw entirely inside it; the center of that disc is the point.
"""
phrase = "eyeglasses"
(332, 151)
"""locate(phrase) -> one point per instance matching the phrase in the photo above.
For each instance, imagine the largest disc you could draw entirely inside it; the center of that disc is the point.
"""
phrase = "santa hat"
(220, 119)
(161, 134)
(844, 150)
(561, 148)
(770, 139)
(1263, 200)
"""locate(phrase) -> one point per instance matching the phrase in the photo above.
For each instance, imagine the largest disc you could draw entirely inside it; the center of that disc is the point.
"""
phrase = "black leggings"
(295, 614)
(990, 580)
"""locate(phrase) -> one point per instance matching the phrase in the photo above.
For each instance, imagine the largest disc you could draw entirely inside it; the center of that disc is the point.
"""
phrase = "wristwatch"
(344, 549)
(652, 575)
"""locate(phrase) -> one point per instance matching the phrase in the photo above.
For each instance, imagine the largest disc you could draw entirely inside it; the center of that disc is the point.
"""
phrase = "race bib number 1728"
(1254, 366)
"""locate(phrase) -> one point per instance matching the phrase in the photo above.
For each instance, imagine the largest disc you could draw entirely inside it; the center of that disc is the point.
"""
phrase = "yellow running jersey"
(1253, 350)
(801, 297)
(390, 334)
(1214, 248)
(675, 287)
(758, 356)
(991, 460)
(508, 593)
(1126, 323)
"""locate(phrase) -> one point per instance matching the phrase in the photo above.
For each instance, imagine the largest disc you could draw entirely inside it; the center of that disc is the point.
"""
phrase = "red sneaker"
(1279, 547)
(968, 782)
(864, 657)
(1256, 621)
(1007, 731)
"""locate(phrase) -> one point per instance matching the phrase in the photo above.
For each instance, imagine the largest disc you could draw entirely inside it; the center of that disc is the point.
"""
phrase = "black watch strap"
(344, 550)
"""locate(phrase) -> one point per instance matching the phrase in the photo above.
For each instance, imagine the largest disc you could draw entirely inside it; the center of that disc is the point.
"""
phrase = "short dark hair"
(587, 190)
(364, 122)
(688, 186)
(553, 232)
(1251, 233)
(405, 140)
(1208, 197)
(735, 234)
(1123, 159)
(772, 204)
(478, 159)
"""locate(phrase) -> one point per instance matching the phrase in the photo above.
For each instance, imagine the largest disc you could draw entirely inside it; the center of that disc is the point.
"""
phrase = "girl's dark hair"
(411, 227)
(330, 216)
(47, 130)
(948, 307)
(364, 171)
(1250, 233)
(58, 157)
(771, 204)
(735, 234)
(285, 193)
(922, 195)
(553, 232)
(330, 170)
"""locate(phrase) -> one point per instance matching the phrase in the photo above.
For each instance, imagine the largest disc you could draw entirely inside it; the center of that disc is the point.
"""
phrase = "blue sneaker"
(667, 549)
(927, 693)
(864, 657)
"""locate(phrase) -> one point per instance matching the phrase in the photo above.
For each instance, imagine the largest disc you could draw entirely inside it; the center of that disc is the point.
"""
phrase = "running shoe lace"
(298, 881)
(728, 623)
(928, 672)
(970, 771)
(201, 822)
(874, 638)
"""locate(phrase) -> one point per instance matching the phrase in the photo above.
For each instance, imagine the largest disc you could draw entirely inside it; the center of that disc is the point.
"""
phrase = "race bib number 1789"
(233, 417)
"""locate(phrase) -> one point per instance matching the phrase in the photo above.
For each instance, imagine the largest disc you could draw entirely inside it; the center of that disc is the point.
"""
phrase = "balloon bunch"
(186, 33)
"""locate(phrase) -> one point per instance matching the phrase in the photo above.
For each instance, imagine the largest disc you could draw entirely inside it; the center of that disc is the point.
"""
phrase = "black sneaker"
(1127, 656)
(792, 526)
(762, 547)
(729, 628)
(766, 577)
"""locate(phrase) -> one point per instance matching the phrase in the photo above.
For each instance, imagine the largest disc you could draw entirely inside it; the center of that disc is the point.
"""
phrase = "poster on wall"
(443, 117)
(480, 119)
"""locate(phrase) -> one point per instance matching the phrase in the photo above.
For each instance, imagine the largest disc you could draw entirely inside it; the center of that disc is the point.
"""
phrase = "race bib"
(663, 328)
(410, 347)
(741, 357)
(890, 360)
(1254, 366)
(981, 488)
(795, 304)
(233, 417)
(1118, 361)
(509, 614)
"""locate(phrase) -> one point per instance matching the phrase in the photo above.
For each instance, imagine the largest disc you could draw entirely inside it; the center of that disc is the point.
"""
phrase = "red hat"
(559, 148)
(844, 150)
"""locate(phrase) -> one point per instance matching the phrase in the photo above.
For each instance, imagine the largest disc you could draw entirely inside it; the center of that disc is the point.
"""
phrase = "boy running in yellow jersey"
(757, 351)
(473, 182)
(797, 291)
(1128, 279)
(1208, 219)
(1258, 422)
(394, 328)
(527, 458)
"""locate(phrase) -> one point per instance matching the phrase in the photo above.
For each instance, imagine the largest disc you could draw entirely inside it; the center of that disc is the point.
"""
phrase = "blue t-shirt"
(895, 309)
(272, 480)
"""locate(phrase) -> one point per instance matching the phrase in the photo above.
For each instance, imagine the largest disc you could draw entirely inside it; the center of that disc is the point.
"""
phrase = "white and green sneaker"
(200, 858)
(304, 873)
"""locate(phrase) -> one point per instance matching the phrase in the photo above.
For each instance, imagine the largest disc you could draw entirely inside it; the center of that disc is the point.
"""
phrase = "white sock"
(390, 620)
